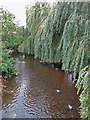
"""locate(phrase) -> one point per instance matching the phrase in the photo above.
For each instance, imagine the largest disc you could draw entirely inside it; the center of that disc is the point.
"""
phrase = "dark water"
(39, 91)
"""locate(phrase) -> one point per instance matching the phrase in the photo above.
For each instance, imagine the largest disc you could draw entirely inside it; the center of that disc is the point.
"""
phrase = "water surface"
(39, 91)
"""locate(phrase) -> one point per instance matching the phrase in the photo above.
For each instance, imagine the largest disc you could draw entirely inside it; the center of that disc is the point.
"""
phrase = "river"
(39, 91)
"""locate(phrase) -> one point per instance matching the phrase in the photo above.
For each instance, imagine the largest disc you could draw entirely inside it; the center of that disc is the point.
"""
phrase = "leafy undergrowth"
(7, 64)
(82, 84)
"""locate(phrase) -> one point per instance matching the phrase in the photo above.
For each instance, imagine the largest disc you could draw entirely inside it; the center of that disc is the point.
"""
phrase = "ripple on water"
(44, 94)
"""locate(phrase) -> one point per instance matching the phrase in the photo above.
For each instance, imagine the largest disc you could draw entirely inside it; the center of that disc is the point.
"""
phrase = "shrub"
(6, 64)
(83, 83)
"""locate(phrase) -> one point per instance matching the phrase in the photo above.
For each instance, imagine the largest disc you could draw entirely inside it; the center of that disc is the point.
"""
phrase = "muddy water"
(39, 91)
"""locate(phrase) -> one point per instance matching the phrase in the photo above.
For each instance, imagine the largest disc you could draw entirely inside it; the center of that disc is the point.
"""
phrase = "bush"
(82, 84)
(7, 64)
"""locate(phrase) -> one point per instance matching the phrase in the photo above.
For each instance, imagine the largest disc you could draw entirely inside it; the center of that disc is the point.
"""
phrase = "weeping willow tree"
(35, 17)
(75, 40)
(60, 34)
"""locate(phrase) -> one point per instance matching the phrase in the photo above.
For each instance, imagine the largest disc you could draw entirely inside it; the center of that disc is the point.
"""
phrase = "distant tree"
(8, 26)
(20, 34)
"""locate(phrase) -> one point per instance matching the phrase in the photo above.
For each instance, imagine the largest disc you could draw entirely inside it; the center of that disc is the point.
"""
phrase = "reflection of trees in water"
(10, 92)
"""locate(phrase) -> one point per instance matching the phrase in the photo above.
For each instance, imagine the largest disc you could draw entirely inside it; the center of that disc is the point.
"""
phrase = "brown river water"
(39, 91)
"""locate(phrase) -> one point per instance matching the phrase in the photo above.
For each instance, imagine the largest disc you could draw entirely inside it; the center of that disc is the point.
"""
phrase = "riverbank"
(2, 86)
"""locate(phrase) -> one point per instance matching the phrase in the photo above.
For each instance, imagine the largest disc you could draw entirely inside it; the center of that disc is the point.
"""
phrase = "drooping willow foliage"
(75, 39)
(59, 34)
(35, 17)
